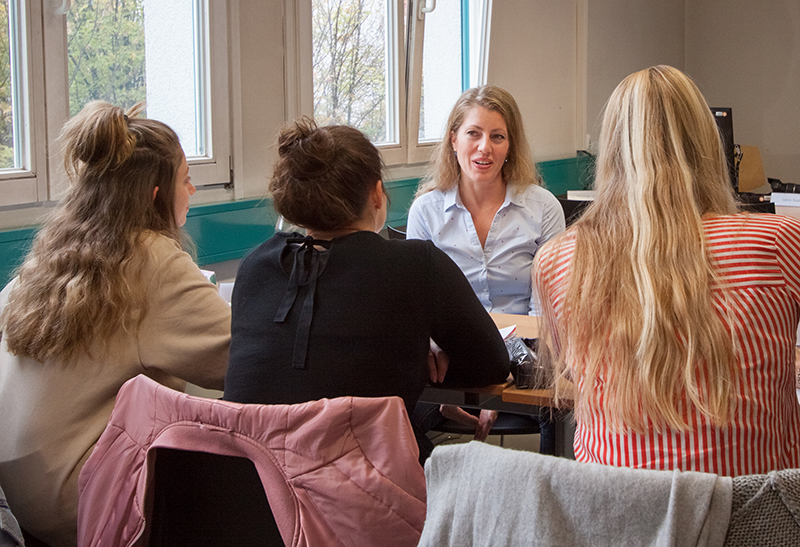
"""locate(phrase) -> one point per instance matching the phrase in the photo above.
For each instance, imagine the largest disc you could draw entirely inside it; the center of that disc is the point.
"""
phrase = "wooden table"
(527, 325)
(506, 397)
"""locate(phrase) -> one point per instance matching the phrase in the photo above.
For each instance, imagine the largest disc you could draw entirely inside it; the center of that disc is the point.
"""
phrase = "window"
(362, 75)
(120, 51)
(453, 53)
(21, 152)
(128, 51)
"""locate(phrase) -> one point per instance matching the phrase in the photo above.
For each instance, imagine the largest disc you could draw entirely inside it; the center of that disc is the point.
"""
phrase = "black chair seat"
(506, 424)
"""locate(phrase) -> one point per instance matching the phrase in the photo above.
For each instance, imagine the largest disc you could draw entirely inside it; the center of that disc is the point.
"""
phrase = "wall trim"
(230, 230)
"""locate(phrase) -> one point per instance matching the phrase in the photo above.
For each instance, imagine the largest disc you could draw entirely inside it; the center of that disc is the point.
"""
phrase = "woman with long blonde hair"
(674, 316)
(482, 204)
(105, 293)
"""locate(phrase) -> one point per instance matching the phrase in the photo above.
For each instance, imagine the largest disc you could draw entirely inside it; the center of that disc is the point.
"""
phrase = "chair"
(396, 233)
(485, 495)
(506, 424)
(573, 209)
(168, 466)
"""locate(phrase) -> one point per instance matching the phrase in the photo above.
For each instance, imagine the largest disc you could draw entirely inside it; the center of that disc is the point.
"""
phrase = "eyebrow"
(474, 126)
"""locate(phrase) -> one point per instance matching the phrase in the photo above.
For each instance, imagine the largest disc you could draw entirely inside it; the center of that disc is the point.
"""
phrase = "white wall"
(746, 55)
(624, 36)
(533, 56)
(743, 54)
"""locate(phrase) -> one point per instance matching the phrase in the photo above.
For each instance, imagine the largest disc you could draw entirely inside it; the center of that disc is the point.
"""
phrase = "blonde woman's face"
(481, 146)
(183, 190)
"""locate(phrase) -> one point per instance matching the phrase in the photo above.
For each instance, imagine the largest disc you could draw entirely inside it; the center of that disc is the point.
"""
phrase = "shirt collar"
(452, 198)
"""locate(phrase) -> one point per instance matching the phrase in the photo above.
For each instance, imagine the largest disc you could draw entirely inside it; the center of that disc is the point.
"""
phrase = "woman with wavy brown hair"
(674, 315)
(105, 293)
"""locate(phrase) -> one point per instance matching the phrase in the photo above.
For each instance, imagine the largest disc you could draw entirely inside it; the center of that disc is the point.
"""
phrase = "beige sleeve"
(186, 331)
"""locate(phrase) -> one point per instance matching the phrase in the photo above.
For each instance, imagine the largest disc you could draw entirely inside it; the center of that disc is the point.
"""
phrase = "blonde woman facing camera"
(105, 294)
(674, 315)
(482, 205)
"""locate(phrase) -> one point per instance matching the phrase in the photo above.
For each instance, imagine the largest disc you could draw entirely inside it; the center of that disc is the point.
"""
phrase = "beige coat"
(51, 414)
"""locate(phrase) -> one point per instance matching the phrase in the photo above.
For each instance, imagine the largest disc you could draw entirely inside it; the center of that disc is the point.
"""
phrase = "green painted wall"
(227, 231)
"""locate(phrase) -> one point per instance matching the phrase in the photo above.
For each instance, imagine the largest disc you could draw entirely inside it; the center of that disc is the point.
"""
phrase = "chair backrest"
(573, 209)
(396, 233)
(167, 459)
(183, 483)
(473, 487)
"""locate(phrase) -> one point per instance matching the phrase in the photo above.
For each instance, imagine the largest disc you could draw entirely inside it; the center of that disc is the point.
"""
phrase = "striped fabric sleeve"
(788, 254)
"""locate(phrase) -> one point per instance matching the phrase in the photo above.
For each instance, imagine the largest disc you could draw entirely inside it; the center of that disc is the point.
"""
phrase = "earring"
(455, 153)
(506, 161)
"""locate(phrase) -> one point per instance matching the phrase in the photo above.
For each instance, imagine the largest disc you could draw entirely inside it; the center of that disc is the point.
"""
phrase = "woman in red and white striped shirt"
(674, 315)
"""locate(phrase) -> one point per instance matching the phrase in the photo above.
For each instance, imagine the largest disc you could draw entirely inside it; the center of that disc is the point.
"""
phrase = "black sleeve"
(463, 328)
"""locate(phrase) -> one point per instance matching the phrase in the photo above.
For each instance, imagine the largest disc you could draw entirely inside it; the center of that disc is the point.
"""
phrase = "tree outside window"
(349, 63)
(106, 52)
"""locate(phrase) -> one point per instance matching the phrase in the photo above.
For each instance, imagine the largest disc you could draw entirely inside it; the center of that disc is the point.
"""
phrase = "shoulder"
(159, 246)
(746, 225)
(429, 200)
(557, 252)
(535, 196)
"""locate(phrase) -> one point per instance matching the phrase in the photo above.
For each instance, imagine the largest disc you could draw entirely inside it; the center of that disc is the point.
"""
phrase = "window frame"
(42, 180)
(28, 184)
(407, 61)
(420, 152)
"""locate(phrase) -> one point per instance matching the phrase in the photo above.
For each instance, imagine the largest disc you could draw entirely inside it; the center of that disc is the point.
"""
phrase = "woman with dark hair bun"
(342, 311)
(106, 293)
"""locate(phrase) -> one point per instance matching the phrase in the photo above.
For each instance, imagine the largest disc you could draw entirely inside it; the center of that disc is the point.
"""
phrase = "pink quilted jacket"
(347, 457)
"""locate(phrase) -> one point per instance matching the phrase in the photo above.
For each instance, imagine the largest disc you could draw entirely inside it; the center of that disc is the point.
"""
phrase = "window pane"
(441, 68)
(127, 51)
(351, 74)
(10, 116)
(450, 64)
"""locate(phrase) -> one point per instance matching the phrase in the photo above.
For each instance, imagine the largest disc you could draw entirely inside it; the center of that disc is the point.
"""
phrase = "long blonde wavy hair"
(638, 313)
(80, 281)
(520, 170)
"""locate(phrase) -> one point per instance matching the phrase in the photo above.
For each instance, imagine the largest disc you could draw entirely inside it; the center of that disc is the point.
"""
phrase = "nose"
(192, 189)
(485, 144)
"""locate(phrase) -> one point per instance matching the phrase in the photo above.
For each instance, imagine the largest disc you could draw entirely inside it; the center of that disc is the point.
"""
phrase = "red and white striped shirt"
(758, 262)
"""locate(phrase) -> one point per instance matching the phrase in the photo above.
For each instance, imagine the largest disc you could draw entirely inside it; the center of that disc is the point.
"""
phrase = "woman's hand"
(485, 423)
(438, 361)
(482, 424)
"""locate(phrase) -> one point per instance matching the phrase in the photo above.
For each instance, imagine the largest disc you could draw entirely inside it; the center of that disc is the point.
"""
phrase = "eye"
(499, 137)
(472, 133)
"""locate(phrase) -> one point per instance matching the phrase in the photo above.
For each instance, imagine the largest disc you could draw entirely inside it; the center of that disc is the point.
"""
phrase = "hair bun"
(307, 148)
(98, 137)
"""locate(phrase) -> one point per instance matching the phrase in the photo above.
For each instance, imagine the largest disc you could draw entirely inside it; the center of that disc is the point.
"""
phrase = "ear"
(155, 191)
(378, 195)
(453, 140)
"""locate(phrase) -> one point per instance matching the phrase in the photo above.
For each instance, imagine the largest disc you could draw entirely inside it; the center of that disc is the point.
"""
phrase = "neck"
(480, 197)
(327, 235)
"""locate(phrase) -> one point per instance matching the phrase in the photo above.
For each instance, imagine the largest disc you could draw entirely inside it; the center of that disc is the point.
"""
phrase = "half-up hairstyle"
(80, 282)
(639, 317)
(324, 175)
(519, 171)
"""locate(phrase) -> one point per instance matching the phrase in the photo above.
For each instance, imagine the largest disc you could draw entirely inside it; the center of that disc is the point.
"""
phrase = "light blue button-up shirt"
(500, 271)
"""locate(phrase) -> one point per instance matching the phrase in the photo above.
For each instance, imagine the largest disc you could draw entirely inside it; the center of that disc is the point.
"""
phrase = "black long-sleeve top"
(375, 304)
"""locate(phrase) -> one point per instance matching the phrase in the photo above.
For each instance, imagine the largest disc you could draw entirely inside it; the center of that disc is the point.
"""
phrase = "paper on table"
(225, 291)
(508, 332)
